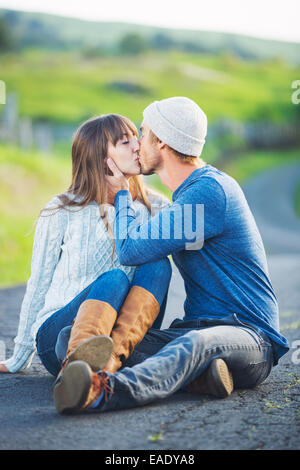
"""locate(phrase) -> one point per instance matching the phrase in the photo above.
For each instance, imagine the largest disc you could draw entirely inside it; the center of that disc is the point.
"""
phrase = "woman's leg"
(141, 308)
(151, 277)
(100, 289)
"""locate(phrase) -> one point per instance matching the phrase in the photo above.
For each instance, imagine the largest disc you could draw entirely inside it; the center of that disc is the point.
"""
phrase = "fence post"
(10, 118)
(25, 133)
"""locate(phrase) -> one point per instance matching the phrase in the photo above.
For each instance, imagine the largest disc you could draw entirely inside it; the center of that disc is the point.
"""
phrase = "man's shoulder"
(213, 178)
(205, 182)
(210, 186)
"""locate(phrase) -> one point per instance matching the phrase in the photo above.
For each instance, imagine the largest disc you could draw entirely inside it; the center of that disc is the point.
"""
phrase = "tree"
(5, 38)
(133, 44)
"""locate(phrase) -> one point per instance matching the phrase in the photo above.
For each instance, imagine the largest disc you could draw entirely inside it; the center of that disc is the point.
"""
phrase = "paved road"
(267, 417)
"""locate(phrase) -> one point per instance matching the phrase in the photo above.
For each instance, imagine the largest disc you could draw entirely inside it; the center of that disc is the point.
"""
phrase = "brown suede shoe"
(216, 380)
(78, 388)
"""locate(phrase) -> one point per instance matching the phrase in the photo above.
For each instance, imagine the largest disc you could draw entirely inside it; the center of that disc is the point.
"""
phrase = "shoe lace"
(101, 381)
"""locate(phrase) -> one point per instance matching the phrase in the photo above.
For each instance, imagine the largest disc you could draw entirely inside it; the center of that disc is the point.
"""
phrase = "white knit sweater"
(70, 250)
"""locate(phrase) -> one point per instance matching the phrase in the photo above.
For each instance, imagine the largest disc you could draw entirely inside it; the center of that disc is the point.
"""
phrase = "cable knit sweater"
(71, 249)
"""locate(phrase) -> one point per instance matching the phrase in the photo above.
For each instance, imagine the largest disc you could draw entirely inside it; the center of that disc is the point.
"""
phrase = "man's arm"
(166, 233)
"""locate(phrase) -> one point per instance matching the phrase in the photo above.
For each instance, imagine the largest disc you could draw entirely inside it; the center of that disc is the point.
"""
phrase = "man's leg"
(152, 343)
(248, 356)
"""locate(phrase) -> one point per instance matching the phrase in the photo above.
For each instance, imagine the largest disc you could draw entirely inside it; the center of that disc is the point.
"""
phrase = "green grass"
(27, 183)
(297, 199)
(67, 87)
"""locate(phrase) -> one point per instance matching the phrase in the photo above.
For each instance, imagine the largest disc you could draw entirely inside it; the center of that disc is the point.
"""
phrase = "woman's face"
(126, 154)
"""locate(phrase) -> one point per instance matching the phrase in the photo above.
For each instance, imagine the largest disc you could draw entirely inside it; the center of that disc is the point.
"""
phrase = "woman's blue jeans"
(165, 361)
(111, 287)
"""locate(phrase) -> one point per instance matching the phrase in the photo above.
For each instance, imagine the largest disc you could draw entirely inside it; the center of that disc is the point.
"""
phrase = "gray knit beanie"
(178, 122)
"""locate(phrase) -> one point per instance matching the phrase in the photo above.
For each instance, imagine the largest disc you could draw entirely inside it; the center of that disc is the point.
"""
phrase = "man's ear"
(161, 145)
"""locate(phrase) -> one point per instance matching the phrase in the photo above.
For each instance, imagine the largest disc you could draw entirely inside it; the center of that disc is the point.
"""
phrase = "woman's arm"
(45, 255)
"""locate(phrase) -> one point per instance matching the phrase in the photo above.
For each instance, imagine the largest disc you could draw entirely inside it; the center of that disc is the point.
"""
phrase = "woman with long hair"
(80, 303)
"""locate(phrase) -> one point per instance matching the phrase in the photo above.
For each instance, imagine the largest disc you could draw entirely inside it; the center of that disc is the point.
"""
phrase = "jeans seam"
(157, 342)
(224, 347)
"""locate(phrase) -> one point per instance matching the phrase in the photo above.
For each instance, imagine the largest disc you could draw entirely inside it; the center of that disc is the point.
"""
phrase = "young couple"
(100, 272)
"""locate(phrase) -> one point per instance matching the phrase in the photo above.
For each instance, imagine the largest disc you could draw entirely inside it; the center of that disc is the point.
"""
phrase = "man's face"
(149, 154)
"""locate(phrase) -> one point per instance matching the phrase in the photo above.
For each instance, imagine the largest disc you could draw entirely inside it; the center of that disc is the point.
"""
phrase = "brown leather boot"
(79, 388)
(90, 335)
(136, 316)
(216, 380)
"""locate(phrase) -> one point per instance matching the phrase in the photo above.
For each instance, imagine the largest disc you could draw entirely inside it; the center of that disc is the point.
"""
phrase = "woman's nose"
(136, 146)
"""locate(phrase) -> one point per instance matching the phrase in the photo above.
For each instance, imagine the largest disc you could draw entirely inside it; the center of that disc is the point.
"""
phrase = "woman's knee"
(111, 287)
(160, 269)
(163, 268)
(114, 276)
(61, 346)
(43, 338)
(154, 277)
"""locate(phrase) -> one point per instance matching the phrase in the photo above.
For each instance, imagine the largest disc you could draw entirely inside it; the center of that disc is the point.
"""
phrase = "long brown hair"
(89, 153)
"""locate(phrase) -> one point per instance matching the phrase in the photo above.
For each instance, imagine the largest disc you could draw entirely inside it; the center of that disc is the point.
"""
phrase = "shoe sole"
(95, 351)
(72, 390)
(220, 379)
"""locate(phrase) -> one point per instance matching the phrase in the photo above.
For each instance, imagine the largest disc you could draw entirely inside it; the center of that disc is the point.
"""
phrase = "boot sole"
(71, 392)
(220, 379)
(95, 351)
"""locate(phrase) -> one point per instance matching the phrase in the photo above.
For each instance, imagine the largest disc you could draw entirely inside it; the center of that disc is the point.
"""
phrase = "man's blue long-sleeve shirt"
(212, 236)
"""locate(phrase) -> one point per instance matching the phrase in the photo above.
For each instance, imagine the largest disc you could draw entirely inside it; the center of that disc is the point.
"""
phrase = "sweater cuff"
(19, 361)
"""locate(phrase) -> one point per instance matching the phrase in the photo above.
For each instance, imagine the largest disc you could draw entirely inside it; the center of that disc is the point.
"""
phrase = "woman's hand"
(117, 182)
(3, 368)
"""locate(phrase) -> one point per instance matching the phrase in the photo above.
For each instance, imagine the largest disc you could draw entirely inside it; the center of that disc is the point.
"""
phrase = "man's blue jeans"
(167, 360)
(111, 287)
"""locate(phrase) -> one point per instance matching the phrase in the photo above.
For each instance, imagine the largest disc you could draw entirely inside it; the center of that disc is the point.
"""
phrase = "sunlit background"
(63, 62)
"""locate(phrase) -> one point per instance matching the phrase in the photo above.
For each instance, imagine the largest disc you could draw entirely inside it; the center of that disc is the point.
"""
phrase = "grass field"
(29, 181)
(68, 87)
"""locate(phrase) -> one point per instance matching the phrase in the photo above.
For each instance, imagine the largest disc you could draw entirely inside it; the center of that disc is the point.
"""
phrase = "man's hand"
(117, 182)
